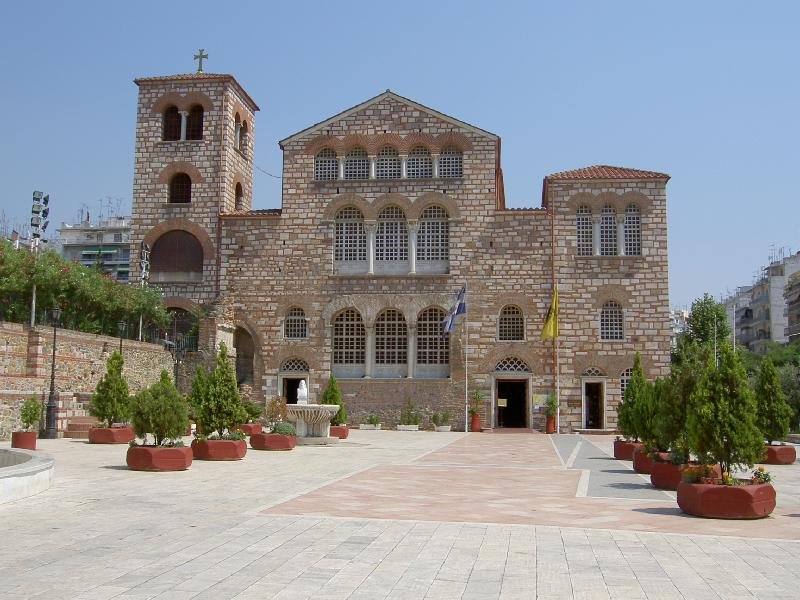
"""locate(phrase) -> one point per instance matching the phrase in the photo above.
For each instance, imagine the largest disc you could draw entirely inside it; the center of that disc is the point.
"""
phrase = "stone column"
(341, 166)
(403, 166)
(621, 235)
(596, 234)
(412, 350)
(369, 358)
(370, 227)
(184, 117)
(435, 165)
(372, 161)
(238, 136)
(413, 228)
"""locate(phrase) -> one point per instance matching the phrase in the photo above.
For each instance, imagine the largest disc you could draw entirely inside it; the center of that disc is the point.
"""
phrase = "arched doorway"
(245, 355)
(292, 371)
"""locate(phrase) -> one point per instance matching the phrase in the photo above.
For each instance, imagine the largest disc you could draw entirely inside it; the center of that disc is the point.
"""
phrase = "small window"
(583, 227)
(294, 326)
(451, 163)
(419, 164)
(611, 321)
(118, 237)
(171, 129)
(356, 164)
(326, 167)
(608, 232)
(194, 124)
(391, 338)
(433, 237)
(239, 198)
(180, 189)
(387, 165)
(391, 235)
(511, 325)
(433, 348)
(350, 243)
(633, 231)
(349, 338)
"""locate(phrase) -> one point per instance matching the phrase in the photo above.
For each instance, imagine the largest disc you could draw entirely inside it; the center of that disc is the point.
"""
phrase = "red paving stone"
(515, 479)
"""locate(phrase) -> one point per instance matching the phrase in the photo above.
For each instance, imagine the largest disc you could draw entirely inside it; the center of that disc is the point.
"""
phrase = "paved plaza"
(401, 515)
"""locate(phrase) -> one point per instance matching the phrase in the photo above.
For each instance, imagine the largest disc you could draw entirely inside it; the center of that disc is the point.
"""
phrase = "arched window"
(239, 198)
(433, 238)
(176, 251)
(180, 189)
(451, 163)
(350, 242)
(633, 231)
(512, 364)
(349, 338)
(171, 126)
(608, 231)
(356, 164)
(511, 324)
(326, 167)
(391, 338)
(583, 227)
(419, 164)
(432, 347)
(624, 378)
(244, 137)
(387, 165)
(611, 321)
(294, 326)
(593, 372)
(194, 124)
(391, 235)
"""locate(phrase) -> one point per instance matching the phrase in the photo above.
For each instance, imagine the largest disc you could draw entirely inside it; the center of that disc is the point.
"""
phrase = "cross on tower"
(199, 58)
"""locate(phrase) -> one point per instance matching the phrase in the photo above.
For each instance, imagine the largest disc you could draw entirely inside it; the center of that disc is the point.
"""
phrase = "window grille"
(356, 164)
(419, 164)
(391, 236)
(391, 338)
(387, 164)
(171, 130)
(326, 166)
(608, 232)
(451, 163)
(432, 347)
(633, 231)
(624, 378)
(583, 225)
(295, 364)
(180, 189)
(593, 372)
(294, 326)
(433, 237)
(611, 321)
(349, 338)
(350, 238)
(511, 325)
(194, 124)
(512, 364)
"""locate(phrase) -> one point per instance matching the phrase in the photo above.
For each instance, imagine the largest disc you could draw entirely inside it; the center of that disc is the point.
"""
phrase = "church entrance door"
(290, 385)
(515, 411)
(593, 404)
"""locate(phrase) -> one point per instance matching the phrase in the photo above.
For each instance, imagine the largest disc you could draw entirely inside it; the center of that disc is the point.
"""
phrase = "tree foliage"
(332, 395)
(773, 411)
(215, 397)
(90, 300)
(790, 383)
(30, 412)
(708, 320)
(627, 421)
(159, 410)
(673, 406)
(111, 398)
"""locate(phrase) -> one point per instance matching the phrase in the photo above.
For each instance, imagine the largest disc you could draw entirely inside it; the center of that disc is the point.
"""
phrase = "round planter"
(111, 435)
(443, 428)
(726, 501)
(779, 455)
(250, 428)
(550, 424)
(643, 463)
(623, 449)
(340, 431)
(24, 439)
(272, 441)
(219, 449)
(475, 422)
(159, 458)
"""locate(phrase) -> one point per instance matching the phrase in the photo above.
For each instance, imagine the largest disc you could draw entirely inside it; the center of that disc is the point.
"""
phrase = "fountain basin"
(312, 422)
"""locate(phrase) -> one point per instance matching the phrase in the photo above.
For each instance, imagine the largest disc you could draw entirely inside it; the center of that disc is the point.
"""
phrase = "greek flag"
(459, 308)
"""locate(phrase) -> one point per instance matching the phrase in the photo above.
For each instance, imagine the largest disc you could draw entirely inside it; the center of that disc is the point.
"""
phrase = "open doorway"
(593, 404)
(512, 403)
(290, 385)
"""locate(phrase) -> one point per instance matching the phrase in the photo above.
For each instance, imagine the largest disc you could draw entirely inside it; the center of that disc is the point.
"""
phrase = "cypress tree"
(110, 401)
(332, 395)
(627, 420)
(160, 410)
(215, 396)
(773, 410)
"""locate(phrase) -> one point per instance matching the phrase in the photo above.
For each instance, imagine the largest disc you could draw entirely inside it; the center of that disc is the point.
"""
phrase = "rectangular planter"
(408, 428)
(369, 426)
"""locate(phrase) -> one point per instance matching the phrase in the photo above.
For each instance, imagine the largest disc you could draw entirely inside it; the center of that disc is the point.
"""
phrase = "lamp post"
(50, 431)
(121, 330)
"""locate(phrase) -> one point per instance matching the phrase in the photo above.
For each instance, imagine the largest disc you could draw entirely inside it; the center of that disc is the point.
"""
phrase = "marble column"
(621, 235)
(184, 118)
(370, 228)
(403, 166)
(412, 350)
(435, 166)
(341, 166)
(372, 160)
(596, 234)
(413, 229)
(369, 358)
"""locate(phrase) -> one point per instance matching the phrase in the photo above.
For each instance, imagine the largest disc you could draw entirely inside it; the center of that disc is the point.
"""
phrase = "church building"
(388, 208)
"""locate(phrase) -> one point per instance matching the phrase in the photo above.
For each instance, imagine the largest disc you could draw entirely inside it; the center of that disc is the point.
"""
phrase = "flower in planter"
(760, 475)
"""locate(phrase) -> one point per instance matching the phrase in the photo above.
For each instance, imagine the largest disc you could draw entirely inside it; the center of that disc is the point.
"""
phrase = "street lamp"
(121, 330)
(50, 431)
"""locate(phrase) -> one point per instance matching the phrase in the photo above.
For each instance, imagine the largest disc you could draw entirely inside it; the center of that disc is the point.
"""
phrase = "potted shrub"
(721, 428)
(110, 404)
(253, 411)
(159, 411)
(645, 415)
(475, 410)
(29, 413)
(625, 446)
(773, 413)
(441, 421)
(550, 410)
(372, 422)
(219, 409)
(409, 417)
(332, 395)
(282, 437)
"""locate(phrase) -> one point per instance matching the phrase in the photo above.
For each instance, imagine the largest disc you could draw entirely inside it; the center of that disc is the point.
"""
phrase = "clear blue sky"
(705, 91)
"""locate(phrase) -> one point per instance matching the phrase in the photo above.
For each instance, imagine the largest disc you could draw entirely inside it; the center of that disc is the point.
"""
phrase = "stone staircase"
(78, 427)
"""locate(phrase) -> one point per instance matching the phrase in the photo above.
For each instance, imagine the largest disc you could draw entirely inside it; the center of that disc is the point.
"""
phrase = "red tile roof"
(605, 172)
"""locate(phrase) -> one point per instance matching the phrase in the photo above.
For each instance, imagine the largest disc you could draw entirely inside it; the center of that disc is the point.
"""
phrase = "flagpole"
(466, 373)
(554, 282)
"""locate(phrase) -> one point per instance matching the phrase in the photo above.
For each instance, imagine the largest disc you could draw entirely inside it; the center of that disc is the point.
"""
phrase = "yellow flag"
(550, 327)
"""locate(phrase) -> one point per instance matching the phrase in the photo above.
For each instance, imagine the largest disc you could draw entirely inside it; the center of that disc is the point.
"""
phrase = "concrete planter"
(250, 428)
(219, 449)
(24, 439)
(369, 426)
(408, 428)
(159, 458)
(623, 449)
(121, 434)
(340, 431)
(272, 441)
(779, 455)
(717, 501)
(443, 428)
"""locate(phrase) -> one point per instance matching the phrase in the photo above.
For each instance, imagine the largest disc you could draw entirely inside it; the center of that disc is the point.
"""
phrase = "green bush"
(161, 411)
(332, 395)
(476, 402)
(111, 399)
(673, 406)
(215, 398)
(627, 421)
(253, 410)
(772, 410)
(440, 419)
(30, 412)
(409, 414)
(551, 405)
(373, 419)
(284, 428)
